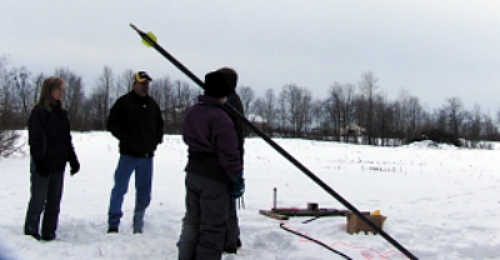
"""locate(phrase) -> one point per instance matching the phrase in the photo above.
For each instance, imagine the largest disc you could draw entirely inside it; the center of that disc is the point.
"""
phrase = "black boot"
(112, 230)
(48, 237)
(31, 226)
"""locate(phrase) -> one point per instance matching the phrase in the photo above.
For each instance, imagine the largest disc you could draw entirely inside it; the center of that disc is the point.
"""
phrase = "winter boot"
(112, 230)
(49, 237)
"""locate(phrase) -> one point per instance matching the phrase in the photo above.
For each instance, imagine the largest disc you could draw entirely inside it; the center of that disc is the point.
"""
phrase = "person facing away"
(233, 241)
(136, 121)
(214, 172)
(51, 148)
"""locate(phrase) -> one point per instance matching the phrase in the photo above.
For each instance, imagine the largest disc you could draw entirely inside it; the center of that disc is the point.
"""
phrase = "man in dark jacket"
(214, 172)
(233, 241)
(135, 119)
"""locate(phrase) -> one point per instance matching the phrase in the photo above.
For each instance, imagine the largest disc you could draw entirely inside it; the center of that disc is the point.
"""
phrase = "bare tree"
(384, 120)
(455, 115)
(259, 106)
(410, 117)
(320, 115)
(37, 86)
(415, 115)
(282, 115)
(348, 112)
(473, 124)
(490, 129)
(339, 108)
(8, 102)
(74, 96)
(270, 106)
(297, 106)
(498, 117)
(181, 99)
(156, 92)
(24, 90)
(165, 88)
(101, 97)
(266, 108)
(439, 120)
(86, 114)
(368, 86)
(161, 91)
(123, 84)
(334, 106)
(247, 96)
(98, 112)
(8, 136)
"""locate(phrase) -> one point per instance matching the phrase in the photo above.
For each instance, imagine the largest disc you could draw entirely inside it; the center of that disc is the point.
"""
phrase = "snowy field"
(441, 202)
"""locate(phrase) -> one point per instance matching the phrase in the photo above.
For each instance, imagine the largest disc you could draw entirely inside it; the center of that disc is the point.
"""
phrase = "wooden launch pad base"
(354, 224)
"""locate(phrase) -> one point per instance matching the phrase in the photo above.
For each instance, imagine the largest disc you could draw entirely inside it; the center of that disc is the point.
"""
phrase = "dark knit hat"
(230, 75)
(216, 85)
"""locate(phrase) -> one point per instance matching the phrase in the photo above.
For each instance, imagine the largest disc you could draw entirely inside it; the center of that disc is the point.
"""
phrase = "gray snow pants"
(206, 220)
(233, 230)
(46, 192)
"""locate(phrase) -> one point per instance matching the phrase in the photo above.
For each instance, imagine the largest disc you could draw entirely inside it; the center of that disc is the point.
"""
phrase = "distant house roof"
(353, 126)
(256, 118)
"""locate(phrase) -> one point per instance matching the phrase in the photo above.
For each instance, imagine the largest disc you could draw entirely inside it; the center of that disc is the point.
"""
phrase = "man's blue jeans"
(143, 168)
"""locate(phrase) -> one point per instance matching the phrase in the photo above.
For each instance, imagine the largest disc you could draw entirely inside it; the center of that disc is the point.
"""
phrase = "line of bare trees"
(293, 112)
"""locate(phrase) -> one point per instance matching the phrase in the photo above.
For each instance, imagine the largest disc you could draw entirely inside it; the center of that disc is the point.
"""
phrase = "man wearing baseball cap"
(136, 121)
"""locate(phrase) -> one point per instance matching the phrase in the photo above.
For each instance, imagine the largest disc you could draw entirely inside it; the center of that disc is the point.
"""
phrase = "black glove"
(40, 167)
(74, 165)
(237, 186)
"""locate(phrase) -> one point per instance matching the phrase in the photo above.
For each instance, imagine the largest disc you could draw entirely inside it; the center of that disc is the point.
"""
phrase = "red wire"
(365, 255)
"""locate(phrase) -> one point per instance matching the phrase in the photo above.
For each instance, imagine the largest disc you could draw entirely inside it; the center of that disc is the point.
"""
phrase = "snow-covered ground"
(441, 202)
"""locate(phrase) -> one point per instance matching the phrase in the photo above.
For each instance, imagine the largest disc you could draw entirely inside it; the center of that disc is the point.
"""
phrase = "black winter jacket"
(235, 101)
(136, 121)
(49, 136)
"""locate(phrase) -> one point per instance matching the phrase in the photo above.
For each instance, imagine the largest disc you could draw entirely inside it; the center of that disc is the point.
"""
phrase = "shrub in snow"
(438, 136)
(8, 140)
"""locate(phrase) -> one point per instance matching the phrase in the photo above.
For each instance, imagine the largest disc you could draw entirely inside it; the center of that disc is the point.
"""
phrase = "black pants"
(46, 194)
(233, 229)
(206, 219)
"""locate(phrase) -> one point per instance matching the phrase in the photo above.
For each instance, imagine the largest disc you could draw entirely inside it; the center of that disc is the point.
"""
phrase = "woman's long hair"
(48, 86)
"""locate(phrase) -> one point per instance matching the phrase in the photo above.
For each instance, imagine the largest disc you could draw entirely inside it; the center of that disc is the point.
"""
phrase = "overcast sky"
(434, 49)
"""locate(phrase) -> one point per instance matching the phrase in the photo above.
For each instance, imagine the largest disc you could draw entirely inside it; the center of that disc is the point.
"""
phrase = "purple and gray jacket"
(212, 142)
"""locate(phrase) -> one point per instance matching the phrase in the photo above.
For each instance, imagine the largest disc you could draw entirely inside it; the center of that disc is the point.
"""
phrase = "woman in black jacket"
(50, 148)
